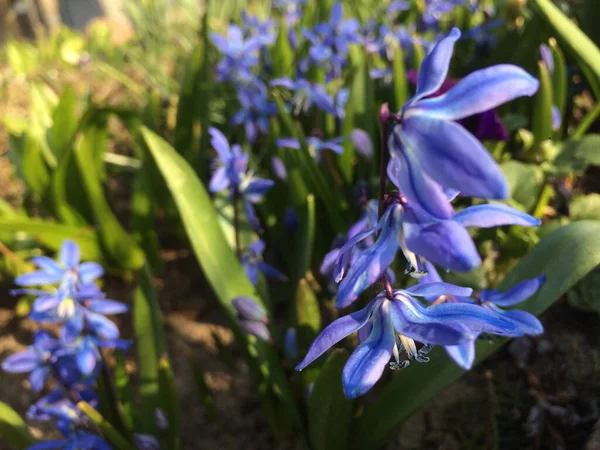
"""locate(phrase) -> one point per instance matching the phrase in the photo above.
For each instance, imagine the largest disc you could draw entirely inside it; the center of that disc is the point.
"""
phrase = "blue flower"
(315, 145)
(256, 111)
(67, 271)
(446, 242)
(146, 442)
(292, 10)
(252, 317)
(548, 61)
(389, 325)
(527, 324)
(78, 440)
(239, 55)
(263, 29)
(434, 10)
(254, 265)
(362, 143)
(307, 94)
(428, 150)
(37, 359)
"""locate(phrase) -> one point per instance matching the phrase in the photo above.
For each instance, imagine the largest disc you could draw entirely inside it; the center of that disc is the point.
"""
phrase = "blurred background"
(112, 65)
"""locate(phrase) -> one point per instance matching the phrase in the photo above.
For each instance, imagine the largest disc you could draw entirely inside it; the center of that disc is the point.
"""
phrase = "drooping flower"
(67, 271)
(429, 150)
(464, 354)
(389, 325)
(254, 265)
(252, 317)
(316, 146)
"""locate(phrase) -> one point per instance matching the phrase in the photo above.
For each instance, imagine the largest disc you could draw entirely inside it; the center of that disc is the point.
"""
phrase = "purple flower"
(254, 265)
(527, 324)
(239, 55)
(447, 242)
(256, 111)
(379, 323)
(252, 317)
(428, 150)
(37, 359)
(362, 143)
(307, 94)
(146, 442)
(67, 271)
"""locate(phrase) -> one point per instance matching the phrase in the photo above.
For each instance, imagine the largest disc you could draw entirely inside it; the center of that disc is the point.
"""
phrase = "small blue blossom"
(292, 10)
(256, 111)
(390, 324)
(362, 143)
(252, 317)
(315, 145)
(239, 55)
(307, 94)
(429, 151)
(254, 265)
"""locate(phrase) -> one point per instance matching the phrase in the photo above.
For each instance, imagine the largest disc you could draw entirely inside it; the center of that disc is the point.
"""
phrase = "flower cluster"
(70, 298)
(432, 158)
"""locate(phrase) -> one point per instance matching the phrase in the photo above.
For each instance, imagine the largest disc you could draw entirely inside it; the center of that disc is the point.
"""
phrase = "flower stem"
(236, 222)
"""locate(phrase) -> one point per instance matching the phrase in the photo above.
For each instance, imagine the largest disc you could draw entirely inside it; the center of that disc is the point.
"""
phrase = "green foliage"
(578, 154)
(13, 429)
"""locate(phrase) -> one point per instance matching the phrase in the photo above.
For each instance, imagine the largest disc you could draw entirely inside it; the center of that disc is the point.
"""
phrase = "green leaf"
(586, 294)
(118, 245)
(124, 391)
(400, 80)
(585, 207)
(217, 259)
(560, 79)
(542, 107)
(578, 154)
(169, 402)
(568, 33)
(108, 431)
(525, 182)
(304, 240)
(149, 337)
(22, 57)
(64, 128)
(308, 316)
(52, 235)
(565, 256)
(13, 429)
(283, 55)
(34, 169)
(329, 411)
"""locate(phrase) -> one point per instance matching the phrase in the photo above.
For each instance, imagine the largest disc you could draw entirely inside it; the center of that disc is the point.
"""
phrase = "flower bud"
(258, 329)
(248, 309)
(362, 143)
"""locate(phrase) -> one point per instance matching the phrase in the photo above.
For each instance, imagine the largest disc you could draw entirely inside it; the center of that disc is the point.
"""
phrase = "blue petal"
(258, 329)
(256, 189)
(475, 317)
(220, 144)
(527, 323)
(494, 214)
(146, 442)
(374, 261)
(86, 360)
(248, 308)
(284, 82)
(329, 261)
(345, 253)
(69, 254)
(453, 157)
(252, 273)
(336, 331)
(288, 143)
(446, 243)
(463, 355)
(547, 57)
(360, 225)
(480, 91)
(368, 361)
(38, 277)
(21, 362)
(405, 170)
(37, 378)
(90, 271)
(219, 180)
(362, 143)
(434, 67)
(46, 303)
(73, 327)
(251, 216)
(106, 307)
(424, 330)
(48, 445)
(220, 42)
(47, 265)
(514, 295)
(337, 14)
(556, 118)
(432, 274)
(104, 328)
(279, 168)
(270, 271)
(257, 247)
(438, 288)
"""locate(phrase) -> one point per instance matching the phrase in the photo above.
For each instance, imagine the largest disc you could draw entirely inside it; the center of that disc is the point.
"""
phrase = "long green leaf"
(169, 401)
(329, 411)
(119, 246)
(542, 111)
(13, 429)
(151, 346)
(571, 35)
(565, 256)
(216, 258)
(108, 431)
